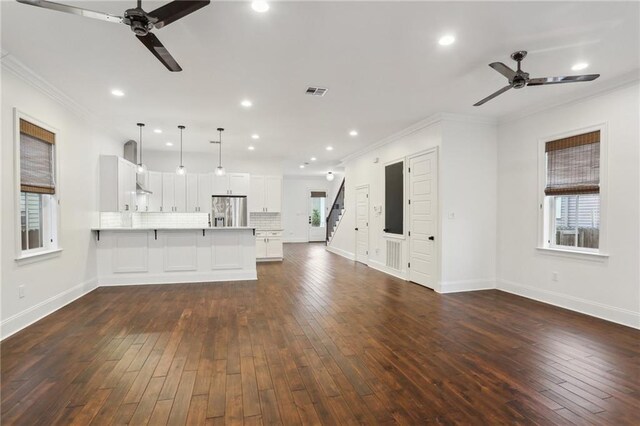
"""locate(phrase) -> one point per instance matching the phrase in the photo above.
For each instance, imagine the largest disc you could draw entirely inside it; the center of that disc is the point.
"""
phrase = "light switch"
(452, 215)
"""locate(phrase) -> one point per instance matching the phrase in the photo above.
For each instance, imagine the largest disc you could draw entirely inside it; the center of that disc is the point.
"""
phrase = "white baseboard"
(184, 278)
(30, 315)
(594, 309)
(466, 285)
(341, 252)
(383, 268)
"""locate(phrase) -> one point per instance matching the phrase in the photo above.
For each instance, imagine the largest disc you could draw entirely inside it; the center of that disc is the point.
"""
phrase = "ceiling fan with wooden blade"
(140, 22)
(519, 79)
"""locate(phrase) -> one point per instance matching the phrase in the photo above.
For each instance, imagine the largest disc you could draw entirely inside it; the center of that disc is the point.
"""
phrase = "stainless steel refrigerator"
(229, 210)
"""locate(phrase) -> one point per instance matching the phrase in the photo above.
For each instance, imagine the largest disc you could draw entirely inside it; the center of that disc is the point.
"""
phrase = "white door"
(256, 194)
(180, 192)
(205, 190)
(274, 247)
(273, 194)
(362, 224)
(155, 186)
(221, 185)
(168, 192)
(239, 183)
(317, 220)
(192, 193)
(423, 219)
(261, 247)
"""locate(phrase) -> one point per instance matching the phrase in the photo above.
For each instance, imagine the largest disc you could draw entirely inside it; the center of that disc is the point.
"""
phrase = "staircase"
(336, 213)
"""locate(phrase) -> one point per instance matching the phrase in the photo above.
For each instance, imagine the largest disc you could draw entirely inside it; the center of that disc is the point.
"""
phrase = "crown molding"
(16, 67)
(625, 80)
(422, 124)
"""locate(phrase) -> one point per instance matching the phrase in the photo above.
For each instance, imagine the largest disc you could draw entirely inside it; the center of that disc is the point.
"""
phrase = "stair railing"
(336, 208)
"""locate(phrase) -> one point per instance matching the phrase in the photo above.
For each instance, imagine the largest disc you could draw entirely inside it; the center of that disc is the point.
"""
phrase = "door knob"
(356, 229)
(432, 238)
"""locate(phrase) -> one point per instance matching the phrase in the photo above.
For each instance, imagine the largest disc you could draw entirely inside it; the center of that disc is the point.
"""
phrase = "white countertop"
(175, 228)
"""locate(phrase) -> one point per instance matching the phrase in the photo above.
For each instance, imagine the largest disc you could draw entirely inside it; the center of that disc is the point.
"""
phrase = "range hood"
(131, 154)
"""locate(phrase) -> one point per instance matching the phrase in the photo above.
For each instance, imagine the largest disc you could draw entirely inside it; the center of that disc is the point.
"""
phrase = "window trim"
(543, 200)
(50, 248)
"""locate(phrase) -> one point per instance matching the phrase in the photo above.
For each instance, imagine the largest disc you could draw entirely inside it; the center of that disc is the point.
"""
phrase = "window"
(37, 188)
(394, 198)
(572, 192)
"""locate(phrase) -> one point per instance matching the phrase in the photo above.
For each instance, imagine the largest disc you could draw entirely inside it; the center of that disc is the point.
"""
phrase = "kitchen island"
(146, 255)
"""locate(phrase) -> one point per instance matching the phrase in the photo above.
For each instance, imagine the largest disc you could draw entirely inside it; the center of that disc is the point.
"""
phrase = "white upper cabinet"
(174, 193)
(168, 192)
(180, 193)
(192, 193)
(154, 184)
(256, 194)
(199, 191)
(205, 191)
(273, 193)
(231, 184)
(265, 194)
(117, 184)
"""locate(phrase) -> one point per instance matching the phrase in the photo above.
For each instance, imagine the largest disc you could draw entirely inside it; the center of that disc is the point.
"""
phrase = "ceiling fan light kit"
(519, 79)
(140, 22)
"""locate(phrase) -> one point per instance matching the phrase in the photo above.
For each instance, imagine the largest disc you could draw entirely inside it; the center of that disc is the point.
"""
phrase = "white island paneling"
(161, 256)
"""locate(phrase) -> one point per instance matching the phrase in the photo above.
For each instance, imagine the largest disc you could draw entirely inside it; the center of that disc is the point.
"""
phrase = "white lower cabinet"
(269, 245)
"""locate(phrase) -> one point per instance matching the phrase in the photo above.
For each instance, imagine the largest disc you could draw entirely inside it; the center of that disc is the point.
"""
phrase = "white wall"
(295, 205)
(53, 282)
(468, 200)
(610, 287)
(467, 172)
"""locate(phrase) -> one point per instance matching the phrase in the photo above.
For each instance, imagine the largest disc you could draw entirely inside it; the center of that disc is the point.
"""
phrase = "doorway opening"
(317, 218)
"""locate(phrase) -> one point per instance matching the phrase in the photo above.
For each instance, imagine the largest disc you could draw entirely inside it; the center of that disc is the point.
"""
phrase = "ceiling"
(381, 62)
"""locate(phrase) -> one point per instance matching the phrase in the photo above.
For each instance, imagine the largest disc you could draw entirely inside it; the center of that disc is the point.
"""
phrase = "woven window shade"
(318, 194)
(36, 159)
(573, 165)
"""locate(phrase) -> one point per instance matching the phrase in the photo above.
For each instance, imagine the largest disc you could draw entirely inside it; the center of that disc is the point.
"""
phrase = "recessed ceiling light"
(446, 40)
(246, 103)
(302, 166)
(329, 148)
(313, 158)
(168, 144)
(157, 131)
(251, 147)
(580, 66)
(117, 92)
(255, 136)
(260, 6)
(353, 133)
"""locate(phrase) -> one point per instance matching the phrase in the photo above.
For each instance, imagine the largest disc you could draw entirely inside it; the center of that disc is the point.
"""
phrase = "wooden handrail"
(327, 221)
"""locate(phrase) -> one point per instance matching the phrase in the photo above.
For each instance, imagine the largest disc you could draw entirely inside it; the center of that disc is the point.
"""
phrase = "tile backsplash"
(149, 220)
(265, 220)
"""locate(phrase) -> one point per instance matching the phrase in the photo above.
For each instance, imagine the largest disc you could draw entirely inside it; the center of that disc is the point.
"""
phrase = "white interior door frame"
(310, 236)
(438, 240)
(362, 251)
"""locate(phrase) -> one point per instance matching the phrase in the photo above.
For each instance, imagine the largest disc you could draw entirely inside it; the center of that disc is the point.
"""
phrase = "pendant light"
(141, 168)
(330, 176)
(219, 170)
(181, 170)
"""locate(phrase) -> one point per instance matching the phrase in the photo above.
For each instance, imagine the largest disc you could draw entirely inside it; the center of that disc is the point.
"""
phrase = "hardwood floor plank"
(317, 340)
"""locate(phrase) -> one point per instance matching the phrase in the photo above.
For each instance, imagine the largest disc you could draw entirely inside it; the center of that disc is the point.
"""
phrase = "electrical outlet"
(21, 291)
(554, 276)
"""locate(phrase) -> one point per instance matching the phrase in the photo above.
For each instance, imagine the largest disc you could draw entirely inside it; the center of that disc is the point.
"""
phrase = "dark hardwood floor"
(317, 340)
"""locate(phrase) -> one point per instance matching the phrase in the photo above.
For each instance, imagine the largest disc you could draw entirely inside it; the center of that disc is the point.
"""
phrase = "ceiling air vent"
(317, 91)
